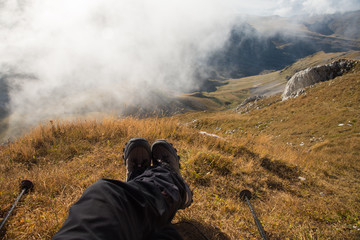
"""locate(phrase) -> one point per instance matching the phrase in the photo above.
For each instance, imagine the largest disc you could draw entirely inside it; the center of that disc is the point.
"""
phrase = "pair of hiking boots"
(138, 156)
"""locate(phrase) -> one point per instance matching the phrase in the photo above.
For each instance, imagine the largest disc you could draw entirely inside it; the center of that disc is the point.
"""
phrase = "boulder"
(310, 76)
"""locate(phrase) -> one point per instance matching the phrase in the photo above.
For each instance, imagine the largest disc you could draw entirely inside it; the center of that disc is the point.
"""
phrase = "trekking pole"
(25, 187)
(245, 195)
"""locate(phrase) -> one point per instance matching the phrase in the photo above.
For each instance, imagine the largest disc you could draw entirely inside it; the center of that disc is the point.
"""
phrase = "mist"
(62, 57)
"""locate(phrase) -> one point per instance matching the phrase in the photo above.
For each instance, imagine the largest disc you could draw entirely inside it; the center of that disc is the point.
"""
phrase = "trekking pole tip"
(245, 193)
(27, 185)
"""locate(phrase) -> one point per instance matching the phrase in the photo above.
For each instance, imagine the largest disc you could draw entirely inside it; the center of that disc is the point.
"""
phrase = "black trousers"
(141, 208)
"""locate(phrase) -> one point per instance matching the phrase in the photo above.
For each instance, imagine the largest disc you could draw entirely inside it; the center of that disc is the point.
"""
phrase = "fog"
(68, 57)
(313, 7)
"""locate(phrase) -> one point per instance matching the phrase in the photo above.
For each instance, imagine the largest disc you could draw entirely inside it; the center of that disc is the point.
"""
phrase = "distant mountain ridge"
(341, 25)
(249, 52)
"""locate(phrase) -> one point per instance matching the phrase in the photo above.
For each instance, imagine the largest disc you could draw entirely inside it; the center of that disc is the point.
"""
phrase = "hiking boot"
(164, 152)
(137, 157)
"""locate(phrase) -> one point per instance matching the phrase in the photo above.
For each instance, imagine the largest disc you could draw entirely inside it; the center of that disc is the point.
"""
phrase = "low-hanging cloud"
(314, 7)
(64, 57)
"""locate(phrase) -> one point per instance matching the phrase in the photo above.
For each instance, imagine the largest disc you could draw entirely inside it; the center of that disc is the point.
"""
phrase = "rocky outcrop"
(251, 99)
(248, 103)
(310, 76)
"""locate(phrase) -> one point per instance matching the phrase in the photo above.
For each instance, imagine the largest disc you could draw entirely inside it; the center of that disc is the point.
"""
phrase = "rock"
(310, 76)
(209, 134)
(248, 103)
(302, 178)
(251, 99)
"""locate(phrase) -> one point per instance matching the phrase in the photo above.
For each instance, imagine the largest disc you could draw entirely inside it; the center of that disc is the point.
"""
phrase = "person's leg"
(169, 232)
(163, 153)
(111, 209)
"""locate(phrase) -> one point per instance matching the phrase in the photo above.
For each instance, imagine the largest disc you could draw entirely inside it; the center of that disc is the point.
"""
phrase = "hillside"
(315, 136)
(341, 25)
(233, 91)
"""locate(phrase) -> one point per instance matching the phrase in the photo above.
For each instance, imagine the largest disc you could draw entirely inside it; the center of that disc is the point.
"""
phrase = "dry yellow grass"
(261, 151)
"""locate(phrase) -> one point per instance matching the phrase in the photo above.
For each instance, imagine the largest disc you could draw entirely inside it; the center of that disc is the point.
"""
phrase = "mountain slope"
(234, 91)
(272, 43)
(344, 25)
(315, 136)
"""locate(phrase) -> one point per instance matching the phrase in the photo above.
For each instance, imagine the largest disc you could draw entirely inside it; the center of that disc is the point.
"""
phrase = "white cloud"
(314, 7)
(96, 55)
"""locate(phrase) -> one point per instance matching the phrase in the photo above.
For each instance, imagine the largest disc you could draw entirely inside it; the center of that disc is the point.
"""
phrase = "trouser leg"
(169, 232)
(111, 209)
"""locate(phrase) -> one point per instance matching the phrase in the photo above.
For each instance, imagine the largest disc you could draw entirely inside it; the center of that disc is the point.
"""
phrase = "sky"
(70, 56)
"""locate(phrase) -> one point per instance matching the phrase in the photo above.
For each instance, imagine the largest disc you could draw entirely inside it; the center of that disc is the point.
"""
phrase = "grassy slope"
(307, 138)
(261, 150)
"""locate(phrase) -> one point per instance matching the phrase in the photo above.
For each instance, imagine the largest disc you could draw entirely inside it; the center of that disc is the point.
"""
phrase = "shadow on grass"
(195, 230)
(280, 169)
